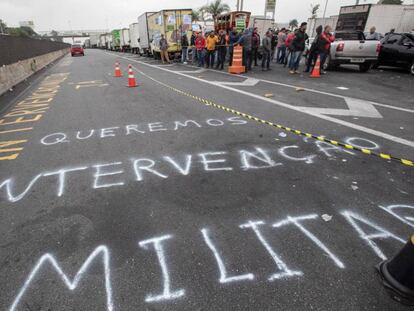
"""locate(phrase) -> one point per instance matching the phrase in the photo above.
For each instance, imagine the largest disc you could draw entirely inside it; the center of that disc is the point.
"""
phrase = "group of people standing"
(285, 47)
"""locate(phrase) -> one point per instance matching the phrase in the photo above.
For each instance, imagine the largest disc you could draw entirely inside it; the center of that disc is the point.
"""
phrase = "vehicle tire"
(412, 68)
(72, 55)
(365, 67)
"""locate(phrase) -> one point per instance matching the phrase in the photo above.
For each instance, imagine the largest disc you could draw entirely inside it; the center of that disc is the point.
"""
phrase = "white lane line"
(342, 88)
(278, 103)
(311, 90)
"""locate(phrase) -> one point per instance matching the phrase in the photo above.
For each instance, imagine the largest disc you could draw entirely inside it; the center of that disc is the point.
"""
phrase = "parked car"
(350, 47)
(77, 49)
(397, 50)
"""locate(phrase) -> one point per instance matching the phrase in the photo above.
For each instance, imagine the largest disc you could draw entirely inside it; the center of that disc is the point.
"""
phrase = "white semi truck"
(94, 40)
(134, 38)
(144, 39)
(124, 40)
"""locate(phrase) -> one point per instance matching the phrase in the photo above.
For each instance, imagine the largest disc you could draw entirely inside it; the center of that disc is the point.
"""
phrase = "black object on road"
(398, 274)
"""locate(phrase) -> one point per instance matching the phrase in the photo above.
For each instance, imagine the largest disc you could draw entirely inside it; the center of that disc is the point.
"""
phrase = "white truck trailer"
(102, 41)
(108, 39)
(134, 38)
(383, 16)
(144, 39)
(124, 40)
(94, 40)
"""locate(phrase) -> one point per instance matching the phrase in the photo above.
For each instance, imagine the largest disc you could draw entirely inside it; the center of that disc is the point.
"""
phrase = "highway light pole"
(324, 11)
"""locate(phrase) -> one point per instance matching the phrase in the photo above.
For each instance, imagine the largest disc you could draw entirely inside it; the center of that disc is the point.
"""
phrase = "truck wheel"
(364, 67)
(412, 68)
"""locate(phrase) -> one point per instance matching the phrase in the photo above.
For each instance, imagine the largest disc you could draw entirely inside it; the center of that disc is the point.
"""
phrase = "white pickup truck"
(350, 47)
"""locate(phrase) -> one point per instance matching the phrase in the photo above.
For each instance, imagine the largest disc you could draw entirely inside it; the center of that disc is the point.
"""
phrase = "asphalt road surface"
(152, 198)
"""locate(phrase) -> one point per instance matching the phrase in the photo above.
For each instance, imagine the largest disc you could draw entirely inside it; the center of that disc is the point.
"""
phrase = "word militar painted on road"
(21, 117)
(281, 270)
(118, 173)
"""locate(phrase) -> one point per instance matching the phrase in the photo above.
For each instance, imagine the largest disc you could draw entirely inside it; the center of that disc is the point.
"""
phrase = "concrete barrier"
(13, 74)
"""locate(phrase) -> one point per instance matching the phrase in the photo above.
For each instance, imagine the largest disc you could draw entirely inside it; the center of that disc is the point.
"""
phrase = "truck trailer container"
(108, 38)
(144, 37)
(134, 38)
(124, 40)
(102, 41)
(172, 24)
(94, 40)
(383, 16)
(116, 40)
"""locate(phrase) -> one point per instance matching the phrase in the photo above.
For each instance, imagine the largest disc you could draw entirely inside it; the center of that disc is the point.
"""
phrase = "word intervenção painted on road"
(141, 169)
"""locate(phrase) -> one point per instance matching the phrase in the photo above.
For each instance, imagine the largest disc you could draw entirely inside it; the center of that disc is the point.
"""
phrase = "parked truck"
(116, 40)
(144, 37)
(134, 38)
(172, 24)
(102, 41)
(124, 40)
(383, 16)
(94, 40)
(350, 47)
(108, 38)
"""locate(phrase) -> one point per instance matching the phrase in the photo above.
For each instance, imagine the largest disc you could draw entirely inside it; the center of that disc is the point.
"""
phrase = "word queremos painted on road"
(118, 173)
(368, 231)
(134, 129)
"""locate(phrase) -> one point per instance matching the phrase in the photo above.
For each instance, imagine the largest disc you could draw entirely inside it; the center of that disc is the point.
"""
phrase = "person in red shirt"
(324, 44)
(200, 44)
(289, 38)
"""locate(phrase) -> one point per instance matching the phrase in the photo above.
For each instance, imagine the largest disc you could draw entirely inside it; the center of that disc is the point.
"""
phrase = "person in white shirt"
(373, 34)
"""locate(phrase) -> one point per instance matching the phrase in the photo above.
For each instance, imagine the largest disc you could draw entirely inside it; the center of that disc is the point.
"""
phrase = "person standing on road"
(314, 50)
(281, 47)
(211, 49)
(184, 48)
(373, 34)
(246, 42)
(267, 50)
(200, 44)
(297, 47)
(275, 41)
(255, 45)
(221, 49)
(233, 38)
(289, 37)
(164, 50)
(193, 48)
(324, 45)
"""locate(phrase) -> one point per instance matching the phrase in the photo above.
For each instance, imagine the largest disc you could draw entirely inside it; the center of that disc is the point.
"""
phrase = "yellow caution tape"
(207, 102)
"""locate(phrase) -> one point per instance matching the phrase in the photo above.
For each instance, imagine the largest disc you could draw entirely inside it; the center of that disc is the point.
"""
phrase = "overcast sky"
(103, 14)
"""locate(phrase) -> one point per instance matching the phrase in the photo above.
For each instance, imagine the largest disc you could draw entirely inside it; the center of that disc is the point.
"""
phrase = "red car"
(77, 49)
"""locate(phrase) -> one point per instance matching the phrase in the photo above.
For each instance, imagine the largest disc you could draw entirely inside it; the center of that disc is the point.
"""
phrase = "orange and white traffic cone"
(131, 77)
(118, 72)
(316, 72)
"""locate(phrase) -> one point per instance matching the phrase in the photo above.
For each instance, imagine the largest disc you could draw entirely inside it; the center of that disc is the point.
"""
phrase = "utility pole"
(241, 5)
(238, 5)
(324, 11)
